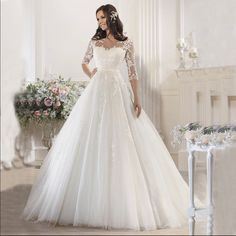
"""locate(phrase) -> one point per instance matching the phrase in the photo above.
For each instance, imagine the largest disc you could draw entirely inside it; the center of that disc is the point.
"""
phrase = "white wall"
(214, 24)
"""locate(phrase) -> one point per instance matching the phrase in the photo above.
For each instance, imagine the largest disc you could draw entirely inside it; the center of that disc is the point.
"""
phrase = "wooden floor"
(15, 187)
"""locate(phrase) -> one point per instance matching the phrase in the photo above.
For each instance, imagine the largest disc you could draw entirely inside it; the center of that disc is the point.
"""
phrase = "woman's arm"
(87, 71)
(137, 104)
(87, 58)
(133, 75)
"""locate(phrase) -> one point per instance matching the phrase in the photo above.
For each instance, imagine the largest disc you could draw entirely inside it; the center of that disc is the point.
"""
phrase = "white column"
(28, 49)
(149, 58)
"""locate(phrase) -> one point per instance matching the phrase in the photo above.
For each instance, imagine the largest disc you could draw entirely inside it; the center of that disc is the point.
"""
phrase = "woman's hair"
(113, 22)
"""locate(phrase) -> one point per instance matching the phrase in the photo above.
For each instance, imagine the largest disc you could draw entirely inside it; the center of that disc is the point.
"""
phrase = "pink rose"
(190, 135)
(205, 139)
(37, 113)
(48, 102)
(55, 90)
(45, 112)
(58, 103)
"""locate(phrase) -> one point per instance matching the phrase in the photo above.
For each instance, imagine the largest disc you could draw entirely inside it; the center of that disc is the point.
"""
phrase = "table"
(208, 210)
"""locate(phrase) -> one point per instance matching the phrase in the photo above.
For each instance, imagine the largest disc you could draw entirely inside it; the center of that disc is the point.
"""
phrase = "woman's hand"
(93, 73)
(137, 107)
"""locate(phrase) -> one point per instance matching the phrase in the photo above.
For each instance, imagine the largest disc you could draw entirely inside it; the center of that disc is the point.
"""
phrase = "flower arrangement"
(188, 45)
(45, 100)
(193, 53)
(113, 16)
(181, 44)
(204, 135)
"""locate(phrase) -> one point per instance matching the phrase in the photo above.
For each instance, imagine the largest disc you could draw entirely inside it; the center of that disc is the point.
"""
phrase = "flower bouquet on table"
(204, 135)
(47, 100)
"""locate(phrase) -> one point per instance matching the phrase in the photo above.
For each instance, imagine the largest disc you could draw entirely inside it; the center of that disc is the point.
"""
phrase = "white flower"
(181, 44)
(190, 135)
(233, 136)
(113, 15)
(205, 139)
(193, 53)
(220, 137)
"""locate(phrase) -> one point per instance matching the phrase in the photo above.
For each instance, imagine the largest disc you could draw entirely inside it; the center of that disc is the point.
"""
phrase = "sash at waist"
(107, 69)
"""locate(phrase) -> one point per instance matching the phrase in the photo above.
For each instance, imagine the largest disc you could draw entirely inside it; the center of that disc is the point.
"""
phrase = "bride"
(108, 166)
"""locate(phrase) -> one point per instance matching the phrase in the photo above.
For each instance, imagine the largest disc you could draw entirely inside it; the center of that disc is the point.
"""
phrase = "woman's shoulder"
(92, 41)
(128, 43)
(127, 40)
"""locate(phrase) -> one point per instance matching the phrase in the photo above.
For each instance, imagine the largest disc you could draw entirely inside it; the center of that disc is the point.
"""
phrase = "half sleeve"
(88, 54)
(130, 61)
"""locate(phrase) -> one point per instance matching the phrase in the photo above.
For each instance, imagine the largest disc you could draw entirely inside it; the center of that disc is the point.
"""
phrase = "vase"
(47, 134)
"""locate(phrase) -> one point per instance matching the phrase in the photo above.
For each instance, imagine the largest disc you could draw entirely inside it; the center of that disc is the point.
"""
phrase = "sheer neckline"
(117, 44)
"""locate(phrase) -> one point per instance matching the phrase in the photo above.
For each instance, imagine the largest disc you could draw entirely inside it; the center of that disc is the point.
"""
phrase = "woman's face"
(102, 21)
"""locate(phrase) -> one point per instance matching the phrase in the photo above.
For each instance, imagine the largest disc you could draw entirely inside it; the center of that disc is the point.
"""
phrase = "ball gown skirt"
(107, 168)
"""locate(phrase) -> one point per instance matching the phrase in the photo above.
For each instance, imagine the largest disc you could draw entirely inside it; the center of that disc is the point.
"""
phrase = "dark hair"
(115, 26)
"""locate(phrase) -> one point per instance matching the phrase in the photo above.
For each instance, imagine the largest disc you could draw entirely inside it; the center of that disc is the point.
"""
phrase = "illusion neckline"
(116, 44)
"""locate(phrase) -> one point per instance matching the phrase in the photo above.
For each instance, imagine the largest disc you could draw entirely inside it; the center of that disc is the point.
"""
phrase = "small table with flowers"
(208, 211)
(203, 139)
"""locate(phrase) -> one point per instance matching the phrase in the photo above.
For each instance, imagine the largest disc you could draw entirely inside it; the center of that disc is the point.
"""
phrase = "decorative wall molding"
(213, 72)
(169, 92)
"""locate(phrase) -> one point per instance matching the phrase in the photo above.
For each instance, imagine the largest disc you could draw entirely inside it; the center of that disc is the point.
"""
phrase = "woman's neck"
(109, 35)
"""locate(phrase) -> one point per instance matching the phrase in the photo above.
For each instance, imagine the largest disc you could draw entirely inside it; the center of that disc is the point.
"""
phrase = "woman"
(108, 166)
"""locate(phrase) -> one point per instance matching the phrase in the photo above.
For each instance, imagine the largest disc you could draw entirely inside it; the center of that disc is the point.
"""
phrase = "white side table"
(208, 210)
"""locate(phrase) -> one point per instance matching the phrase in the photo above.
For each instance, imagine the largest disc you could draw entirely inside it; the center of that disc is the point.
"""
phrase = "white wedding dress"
(107, 168)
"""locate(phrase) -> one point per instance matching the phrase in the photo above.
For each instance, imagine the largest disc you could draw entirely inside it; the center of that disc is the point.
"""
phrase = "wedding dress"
(107, 168)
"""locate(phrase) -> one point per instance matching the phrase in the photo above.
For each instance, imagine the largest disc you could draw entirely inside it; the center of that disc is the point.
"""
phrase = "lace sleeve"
(88, 54)
(130, 61)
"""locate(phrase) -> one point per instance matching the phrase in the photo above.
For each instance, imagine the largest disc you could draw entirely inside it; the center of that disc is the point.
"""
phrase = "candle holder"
(183, 48)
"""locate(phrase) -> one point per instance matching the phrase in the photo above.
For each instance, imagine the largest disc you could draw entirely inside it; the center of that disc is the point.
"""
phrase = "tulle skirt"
(107, 168)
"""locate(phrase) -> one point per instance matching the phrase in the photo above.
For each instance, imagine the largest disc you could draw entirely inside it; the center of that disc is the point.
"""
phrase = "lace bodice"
(111, 58)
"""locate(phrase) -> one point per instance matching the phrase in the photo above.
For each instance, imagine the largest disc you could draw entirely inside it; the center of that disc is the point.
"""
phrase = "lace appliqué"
(88, 54)
(128, 46)
(130, 60)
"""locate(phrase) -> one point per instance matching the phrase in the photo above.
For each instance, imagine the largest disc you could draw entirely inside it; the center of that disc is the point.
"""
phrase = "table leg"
(191, 213)
(209, 193)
